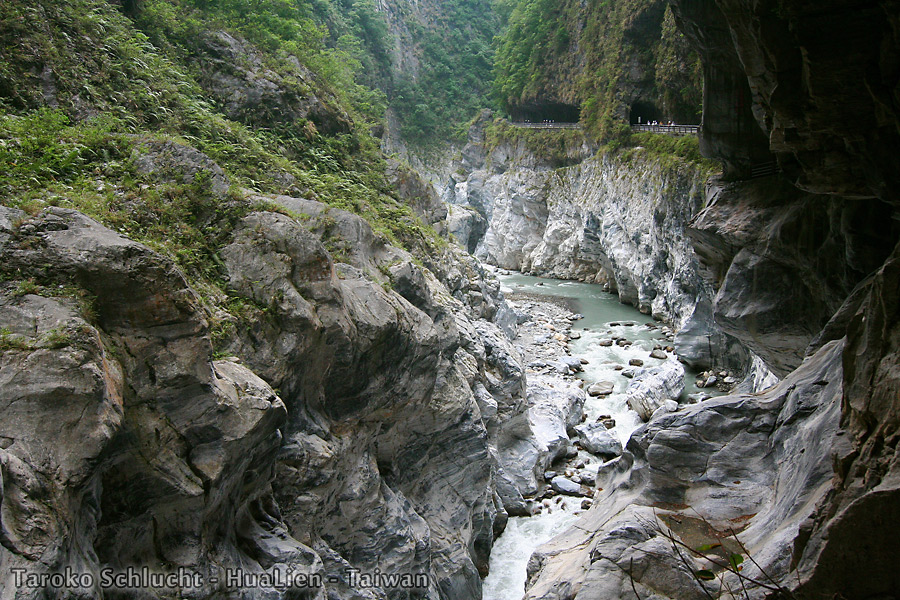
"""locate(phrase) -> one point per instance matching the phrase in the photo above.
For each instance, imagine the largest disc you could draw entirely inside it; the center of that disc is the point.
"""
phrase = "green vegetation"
(535, 36)
(557, 146)
(602, 55)
(85, 88)
(669, 149)
(454, 77)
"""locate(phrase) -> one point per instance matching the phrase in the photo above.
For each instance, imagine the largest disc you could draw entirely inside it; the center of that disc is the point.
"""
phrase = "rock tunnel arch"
(539, 112)
(644, 112)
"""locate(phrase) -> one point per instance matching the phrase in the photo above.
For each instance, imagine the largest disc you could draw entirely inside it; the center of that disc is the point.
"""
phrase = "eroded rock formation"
(125, 443)
(804, 268)
(607, 218)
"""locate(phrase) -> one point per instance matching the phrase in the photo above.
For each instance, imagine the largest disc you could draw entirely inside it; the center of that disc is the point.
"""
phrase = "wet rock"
(669, 406)
(601, 388)
(568, 487)
(636, 362)
(658, 354)
(652, 387)
(605, 343)
(596, 439)
(529, 444)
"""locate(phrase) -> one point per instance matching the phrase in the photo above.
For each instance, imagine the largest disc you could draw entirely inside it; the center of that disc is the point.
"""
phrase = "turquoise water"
(604, 318)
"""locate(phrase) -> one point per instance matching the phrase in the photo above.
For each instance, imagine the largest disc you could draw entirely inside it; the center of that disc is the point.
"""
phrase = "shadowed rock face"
(825, 85)
(124, 443)
(823, 80)
(805, 271)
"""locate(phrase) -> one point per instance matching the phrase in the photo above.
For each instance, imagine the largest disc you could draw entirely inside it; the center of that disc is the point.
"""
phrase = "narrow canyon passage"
(604, 318)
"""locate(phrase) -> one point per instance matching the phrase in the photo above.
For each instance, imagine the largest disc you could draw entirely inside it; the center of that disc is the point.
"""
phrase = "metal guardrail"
(669, 129)
(546, 125)
(763, 169)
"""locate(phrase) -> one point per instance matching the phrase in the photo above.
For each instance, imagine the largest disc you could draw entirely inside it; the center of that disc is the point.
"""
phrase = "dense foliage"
(85, 87)
(452, 42)
(602, 55)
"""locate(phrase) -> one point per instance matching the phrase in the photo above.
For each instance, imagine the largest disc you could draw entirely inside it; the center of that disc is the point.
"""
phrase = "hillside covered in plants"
(615, 61)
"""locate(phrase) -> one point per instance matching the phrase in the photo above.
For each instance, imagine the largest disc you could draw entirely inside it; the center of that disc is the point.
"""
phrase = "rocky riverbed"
(584, 371)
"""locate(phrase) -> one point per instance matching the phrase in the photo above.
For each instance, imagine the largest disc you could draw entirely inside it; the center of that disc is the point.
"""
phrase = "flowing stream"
(604, 318)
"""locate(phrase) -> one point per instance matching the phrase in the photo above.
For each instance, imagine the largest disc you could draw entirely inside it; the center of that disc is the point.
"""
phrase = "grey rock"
(669, 406)
(173, 162)
(206, 464)
(658, 354)
(250, 90)
(528, 445)
(596, 439)
(601, 388)
(568, 487)
(777, 445)
(652, 387)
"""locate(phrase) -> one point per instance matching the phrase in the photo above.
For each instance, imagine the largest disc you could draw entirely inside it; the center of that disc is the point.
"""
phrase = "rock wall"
(804, 268)
(618, 219)
(353, 424)
(755, 465)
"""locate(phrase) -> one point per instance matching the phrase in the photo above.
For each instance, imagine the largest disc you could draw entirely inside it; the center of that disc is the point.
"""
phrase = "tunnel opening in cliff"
(644, 112)
(538, 112)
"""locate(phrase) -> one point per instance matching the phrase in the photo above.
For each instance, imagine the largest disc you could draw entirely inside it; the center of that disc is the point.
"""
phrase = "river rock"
(601, 388)
(572, 363)
(778, 446)
(669, 406)
(568, 487)
(596, 439)
(636, 362)
(658, 354)
(605, 343)
(529, 444)
(652, 387)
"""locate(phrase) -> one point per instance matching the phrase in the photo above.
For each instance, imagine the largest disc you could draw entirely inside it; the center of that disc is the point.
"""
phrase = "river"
(604, 318)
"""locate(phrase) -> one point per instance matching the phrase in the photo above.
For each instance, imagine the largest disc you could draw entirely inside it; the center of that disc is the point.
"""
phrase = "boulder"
(563, 485)
(601, 388)
(651, 387)
(596, 439)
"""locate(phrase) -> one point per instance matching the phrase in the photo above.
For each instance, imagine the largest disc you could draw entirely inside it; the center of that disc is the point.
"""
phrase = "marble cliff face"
(375, 414)
(803, 267)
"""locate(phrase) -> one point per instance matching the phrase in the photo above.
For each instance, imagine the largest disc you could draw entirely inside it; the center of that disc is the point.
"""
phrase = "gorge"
(251, 320)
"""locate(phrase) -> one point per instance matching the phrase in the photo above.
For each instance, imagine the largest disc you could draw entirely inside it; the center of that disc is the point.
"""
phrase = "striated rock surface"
(756, 465)
(104, 460)
(784, 261)
(652, 387)
(375, 452)
(610, 219)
